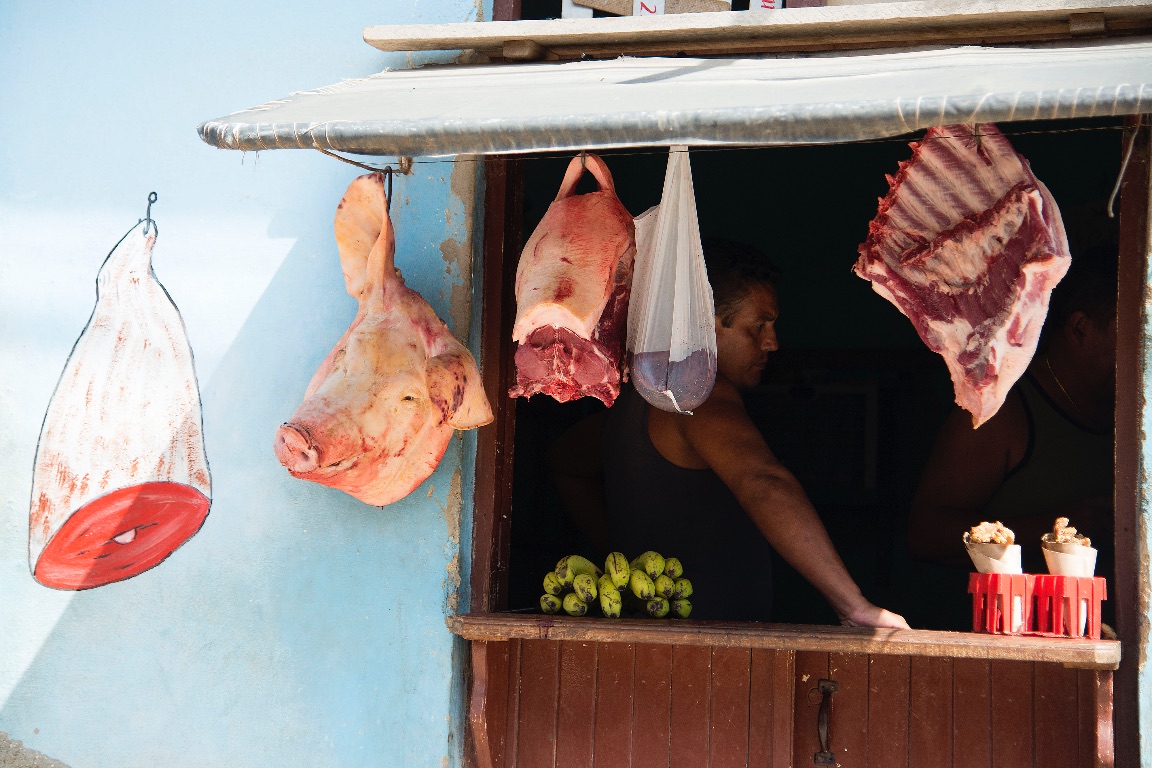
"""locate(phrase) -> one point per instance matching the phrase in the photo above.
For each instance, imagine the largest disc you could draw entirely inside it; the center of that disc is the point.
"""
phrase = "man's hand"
(874, 616)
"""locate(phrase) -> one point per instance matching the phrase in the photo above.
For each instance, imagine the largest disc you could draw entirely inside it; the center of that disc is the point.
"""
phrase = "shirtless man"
(706, 487)
(1048, 451)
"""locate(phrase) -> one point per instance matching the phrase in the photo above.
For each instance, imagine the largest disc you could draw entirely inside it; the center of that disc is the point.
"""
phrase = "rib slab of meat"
(572, 286)
(121, 478)
(968, 244)
(380, 410)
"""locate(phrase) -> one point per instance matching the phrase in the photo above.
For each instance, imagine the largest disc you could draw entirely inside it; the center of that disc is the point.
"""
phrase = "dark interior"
(852, 400)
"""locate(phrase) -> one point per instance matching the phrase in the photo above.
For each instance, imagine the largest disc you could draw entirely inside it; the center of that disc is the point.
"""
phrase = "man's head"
(744, 290)
(1081, 322)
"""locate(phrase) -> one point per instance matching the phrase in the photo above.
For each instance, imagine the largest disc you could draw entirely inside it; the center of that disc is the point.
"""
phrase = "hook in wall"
(148, 220)
(388, 188)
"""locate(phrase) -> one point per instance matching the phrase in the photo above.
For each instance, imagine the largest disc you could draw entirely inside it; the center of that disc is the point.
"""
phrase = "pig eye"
(408, 398)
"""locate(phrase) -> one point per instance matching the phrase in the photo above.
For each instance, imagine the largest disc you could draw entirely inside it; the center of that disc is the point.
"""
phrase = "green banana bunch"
(672, 568)
(652, 563)
(572, 566)
(611, 601)
(618, 567)
(681, 589)
(550, 603)
(681, 608)
(552, 584)
(574, 606)
(585, 587)
(658, 607)
(664, 585)
(641, 585)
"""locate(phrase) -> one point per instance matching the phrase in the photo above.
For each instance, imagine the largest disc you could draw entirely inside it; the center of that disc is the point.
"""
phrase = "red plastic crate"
(1032, 604)
(1068, 606)
(1001, 602)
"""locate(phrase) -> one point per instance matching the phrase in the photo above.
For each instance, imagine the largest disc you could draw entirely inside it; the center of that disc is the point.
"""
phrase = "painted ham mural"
(121, 478)
(969, 244)
(379, 412)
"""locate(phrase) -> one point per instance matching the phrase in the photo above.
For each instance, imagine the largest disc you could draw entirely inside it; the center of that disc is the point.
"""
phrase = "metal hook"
(148, 220)
(388, 191)
(1124, 168)
(979, 141)
(584, 160)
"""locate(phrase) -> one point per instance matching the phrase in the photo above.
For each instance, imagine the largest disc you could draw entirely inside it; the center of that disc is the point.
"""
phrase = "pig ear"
(454, 388)
(361, 220)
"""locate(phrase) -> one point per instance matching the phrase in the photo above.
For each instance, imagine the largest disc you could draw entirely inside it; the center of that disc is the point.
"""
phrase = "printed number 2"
(644, 8)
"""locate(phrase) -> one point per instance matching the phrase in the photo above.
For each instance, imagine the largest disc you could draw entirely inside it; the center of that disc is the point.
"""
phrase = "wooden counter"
(1074, 653)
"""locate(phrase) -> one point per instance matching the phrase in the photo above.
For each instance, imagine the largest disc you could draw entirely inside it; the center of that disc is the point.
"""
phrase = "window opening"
(852, 400)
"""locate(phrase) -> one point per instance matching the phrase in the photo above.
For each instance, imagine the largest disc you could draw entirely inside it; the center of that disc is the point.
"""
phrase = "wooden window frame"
(503, 204)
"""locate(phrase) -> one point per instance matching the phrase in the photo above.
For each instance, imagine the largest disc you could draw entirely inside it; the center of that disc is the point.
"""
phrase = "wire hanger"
(148, 220)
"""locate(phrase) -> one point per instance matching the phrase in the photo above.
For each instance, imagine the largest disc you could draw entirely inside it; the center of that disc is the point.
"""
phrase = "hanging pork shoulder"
(121, 479)
(968, 244)
(379, 412)
(572, 286)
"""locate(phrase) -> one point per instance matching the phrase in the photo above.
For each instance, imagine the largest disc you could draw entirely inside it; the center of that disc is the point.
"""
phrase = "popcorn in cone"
(993, 548)
(1069, 553)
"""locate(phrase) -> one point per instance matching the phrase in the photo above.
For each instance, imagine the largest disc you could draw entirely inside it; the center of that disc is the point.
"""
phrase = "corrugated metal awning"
(449, 110)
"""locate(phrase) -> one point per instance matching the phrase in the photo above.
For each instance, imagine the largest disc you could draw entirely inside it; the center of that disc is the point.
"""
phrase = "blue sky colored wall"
(299, 627)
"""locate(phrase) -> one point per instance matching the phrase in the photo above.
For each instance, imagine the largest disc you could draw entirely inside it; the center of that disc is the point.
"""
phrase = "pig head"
(381, 409)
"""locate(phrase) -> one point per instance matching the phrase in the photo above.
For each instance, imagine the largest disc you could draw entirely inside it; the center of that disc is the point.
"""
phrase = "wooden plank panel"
(728, 747)
(539, 689)
(972, 713)
(1056, 726)
(612, 736)
(930, 713)
(651, 706)
(1097, 746)
(784, 708)
(769, 709)
(576, 712)
(1011, 714)
(810, 667)
(888, 710)
(848, 736)
(515, 648)
(691, 675)
(488, 704)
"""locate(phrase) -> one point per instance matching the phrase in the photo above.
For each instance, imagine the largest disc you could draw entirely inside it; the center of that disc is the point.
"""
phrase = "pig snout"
(295, 449)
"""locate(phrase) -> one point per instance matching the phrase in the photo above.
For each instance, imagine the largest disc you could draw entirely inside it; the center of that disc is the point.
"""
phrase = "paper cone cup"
(1069, 559)
(994, 558)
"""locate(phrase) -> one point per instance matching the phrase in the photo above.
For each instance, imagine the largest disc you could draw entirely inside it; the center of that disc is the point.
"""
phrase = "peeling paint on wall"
(455, 503)
(457, 250)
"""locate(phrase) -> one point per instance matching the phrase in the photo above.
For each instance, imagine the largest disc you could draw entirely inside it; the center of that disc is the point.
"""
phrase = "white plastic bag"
(671, 316)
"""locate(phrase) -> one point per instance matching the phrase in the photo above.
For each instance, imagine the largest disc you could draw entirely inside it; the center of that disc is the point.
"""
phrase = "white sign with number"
(647, 7)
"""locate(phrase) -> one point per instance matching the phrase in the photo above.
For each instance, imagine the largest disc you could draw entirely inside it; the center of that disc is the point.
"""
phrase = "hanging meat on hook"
(379, 412)
(572, 286)
(969, 244)
(121, 478)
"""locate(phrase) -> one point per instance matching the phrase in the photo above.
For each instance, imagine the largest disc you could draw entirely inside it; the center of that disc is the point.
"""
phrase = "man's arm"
(725, 439)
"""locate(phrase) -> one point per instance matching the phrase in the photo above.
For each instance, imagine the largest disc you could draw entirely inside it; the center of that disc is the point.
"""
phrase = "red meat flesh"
(572, 288)
(969, 244)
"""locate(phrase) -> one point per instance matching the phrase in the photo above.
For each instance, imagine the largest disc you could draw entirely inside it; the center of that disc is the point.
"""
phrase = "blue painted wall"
(299, 627)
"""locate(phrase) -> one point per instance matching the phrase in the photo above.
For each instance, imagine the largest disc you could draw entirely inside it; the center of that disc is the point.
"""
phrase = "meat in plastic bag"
(672, 317)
